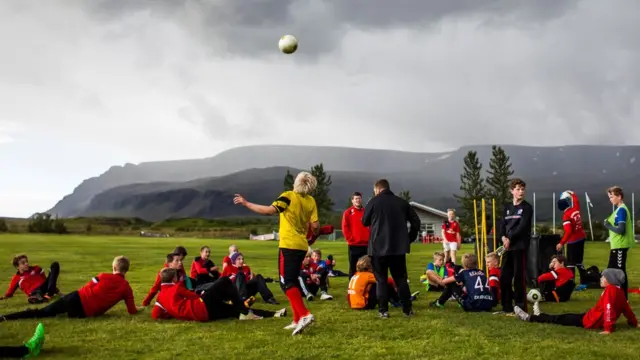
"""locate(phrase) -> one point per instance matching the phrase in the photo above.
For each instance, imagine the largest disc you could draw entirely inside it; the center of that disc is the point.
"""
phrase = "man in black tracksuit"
(387, 216)
(516, 235)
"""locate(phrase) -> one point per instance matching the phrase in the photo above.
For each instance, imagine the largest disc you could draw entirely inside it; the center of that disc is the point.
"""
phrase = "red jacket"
(611, 305)
(573, 227)
(175, 301)
(103, 292)
(156, 286)
(560, 276)
(27, 281)
(232, 271)
(354, 232)
(201, 267)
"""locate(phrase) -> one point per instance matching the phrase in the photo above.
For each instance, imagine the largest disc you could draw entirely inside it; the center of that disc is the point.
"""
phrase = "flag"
(588, 200)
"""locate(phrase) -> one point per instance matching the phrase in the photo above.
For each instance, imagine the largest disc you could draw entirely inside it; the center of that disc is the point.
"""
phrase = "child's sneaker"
(310, 297)
(325, 296)
(536, 308)
(34, 345)
(304, 322)
(436, 304)
(383, 315)
(250, 316)
(523, 315)
(414, 296)
(291, 326)
(281, 313)
(250, 301)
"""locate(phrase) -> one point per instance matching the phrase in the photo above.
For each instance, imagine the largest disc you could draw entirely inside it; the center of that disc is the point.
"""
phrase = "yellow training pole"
(495, 233)
(475, 218)
(484, 234)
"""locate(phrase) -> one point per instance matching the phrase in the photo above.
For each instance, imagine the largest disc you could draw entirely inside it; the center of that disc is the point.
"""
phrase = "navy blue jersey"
(478, 295)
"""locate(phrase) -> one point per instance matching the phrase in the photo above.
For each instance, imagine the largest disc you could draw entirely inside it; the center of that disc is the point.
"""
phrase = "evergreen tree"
(499, 174)
(3, 226)
(405, 194)
(288, 181)
(321, 194)
(472, 187)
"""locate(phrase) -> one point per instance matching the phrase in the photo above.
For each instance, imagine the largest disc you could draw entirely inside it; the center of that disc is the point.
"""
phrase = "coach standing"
(387, 216)
(356, 234)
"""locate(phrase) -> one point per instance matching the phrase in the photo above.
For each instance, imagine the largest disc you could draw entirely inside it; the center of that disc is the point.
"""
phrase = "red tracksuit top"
(611, 305)
(176, 302)
(573, 227)
(354, 232)
(156, 285)
(560, 276)
(103, 292)
(28, 281)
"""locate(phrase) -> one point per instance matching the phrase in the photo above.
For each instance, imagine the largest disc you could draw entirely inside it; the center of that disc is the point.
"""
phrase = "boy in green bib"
(621, 236)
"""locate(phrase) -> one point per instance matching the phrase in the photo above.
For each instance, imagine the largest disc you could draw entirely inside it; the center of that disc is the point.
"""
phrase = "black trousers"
(202, 279)
(397, 265)
(69, 304)
(513, 281)
(289, 265)
(50, 286)
(575, 258)
(216, 300)
(452, 289)
(372, 301)
(618, 260)
(309, 287)
(248, 288)
(562, 319)
(13, 351)
(355, 253)
(557, 294)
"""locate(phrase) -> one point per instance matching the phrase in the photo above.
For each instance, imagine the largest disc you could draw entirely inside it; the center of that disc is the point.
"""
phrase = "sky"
(85, 85)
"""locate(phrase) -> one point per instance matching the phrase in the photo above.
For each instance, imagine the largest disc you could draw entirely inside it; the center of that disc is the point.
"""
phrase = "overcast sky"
(89, 84)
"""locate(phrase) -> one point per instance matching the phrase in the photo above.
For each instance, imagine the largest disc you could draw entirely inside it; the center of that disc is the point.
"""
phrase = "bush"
(3, 226)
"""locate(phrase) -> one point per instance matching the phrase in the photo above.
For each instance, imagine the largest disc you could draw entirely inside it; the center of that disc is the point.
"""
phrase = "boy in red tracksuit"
(203, 270)
(574, 234)
(173, 261)
(176, 302)
(356, 234)
(493, 270)
(604, 315)
(557, 284)
(94, 299)
(33, 281)
(248, 283)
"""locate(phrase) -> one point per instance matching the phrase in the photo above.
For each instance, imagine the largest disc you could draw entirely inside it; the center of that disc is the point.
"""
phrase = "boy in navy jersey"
(557, 284)
(94, 299)
(470, 287)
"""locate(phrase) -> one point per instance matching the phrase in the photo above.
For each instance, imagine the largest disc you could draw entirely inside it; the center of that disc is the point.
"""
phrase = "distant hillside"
(204, 187)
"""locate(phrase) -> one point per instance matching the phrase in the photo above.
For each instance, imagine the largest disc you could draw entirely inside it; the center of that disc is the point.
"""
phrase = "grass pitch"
(339, 333)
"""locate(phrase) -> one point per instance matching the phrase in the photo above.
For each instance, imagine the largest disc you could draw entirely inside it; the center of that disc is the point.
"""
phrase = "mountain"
(204, 187)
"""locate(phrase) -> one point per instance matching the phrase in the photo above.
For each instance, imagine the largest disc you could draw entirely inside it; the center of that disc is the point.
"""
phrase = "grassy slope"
(338, 332)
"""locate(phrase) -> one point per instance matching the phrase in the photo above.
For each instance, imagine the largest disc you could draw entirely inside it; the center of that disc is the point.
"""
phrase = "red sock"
(295, 298)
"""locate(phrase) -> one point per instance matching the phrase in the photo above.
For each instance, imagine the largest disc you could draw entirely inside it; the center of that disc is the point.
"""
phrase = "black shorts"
(575, 253)
(73, 305)
(289, 265)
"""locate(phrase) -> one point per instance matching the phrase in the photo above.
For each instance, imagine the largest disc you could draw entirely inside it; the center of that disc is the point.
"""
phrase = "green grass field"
(337, 333)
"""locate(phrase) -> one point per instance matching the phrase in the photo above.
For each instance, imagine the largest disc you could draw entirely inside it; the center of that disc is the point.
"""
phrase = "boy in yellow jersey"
(298, 212)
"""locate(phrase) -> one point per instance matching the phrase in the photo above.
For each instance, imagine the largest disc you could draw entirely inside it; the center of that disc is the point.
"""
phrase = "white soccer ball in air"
(288, 44)
(534, 295)
(566, 194)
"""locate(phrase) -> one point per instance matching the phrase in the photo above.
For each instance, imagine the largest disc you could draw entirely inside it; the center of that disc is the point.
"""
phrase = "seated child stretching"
(30, 349)
(362, 287)
(33, 281)
(435, 273)
(557, 284)
(203, 270)
(331, 268)
(94, 299)
(226, 261)
(603, 315)
(311, 280)
(173, 261)
(176, 302)
(470, 287)
(246, 282)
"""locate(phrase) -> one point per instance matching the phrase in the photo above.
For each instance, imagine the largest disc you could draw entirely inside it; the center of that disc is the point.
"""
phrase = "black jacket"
(516, 224)
(387, 216)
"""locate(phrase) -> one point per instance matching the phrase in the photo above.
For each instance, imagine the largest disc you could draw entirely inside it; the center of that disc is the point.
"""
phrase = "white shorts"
(450, 246)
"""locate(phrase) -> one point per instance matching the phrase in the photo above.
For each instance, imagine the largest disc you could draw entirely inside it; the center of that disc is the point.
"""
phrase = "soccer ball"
(288, 44)
(566, 194)
(534, 295)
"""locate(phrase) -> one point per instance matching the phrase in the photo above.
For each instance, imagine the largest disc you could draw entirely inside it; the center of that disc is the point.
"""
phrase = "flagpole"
(553, 205)
(589, 206)
(534, 212)
(633, 214)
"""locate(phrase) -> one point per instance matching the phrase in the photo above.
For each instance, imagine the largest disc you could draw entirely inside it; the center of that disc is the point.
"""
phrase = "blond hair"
(305, 183)
(121, 264)
(492, 256)
(364, 264)
(469, 261)
(438, 254)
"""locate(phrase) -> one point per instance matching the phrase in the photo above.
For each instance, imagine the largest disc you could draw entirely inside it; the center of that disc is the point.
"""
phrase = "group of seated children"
(313, 276)
(361, 293)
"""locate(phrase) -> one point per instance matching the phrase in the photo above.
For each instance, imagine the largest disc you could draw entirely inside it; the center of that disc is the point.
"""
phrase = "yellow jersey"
(296, 212)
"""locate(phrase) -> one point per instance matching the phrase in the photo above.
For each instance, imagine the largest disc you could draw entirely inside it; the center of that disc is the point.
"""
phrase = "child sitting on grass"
(173, 261)
(226, 261)
(203, 270)
(470, 287)
(246, 282)
(493, 260)
(331, 268)
(557, 284)
(33, 281)
(30, 349)
(435, 272)
(312, 279)
(362, 288)
(94, 299)
(176, 302)
(603, 315)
